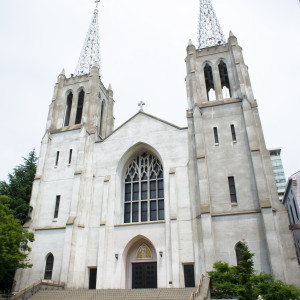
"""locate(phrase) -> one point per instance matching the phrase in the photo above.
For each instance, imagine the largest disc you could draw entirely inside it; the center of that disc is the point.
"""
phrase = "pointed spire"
(90, 53)
(210, 32)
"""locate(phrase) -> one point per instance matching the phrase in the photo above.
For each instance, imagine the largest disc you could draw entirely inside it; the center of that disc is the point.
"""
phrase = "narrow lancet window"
(101, 117)
(144, 190)
(233, 133)
(239, 248)
(209, 82)
(49, 267)
(79, 107)
(216, 135)
(226, 91)
(56, 207)
(57, 158)
(70, 156)
(232, 190)
(68, 109)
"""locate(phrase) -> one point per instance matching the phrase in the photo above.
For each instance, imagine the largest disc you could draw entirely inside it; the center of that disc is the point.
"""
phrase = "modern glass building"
(291, 200)
(278, 171)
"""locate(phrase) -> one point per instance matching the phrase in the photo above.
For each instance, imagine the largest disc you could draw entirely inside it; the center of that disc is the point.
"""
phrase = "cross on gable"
(141, 104)
(97, 1)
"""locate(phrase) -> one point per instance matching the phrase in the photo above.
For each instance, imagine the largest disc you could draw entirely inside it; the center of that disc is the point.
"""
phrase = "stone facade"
(218, 184)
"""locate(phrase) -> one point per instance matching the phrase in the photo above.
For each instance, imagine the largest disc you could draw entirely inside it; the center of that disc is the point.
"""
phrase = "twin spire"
(90, 53)
(210, 34)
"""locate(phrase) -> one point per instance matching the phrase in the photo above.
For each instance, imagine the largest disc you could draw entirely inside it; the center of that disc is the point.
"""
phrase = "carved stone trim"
(265, 203)
(254, 149)
(254, 105)
(220, 102)
(71, 220)
(107, 178)
(246, 212)
(205, 209)
(172, 170)
(50, 228)
(27, 224)
(139, 223)
(189, 114)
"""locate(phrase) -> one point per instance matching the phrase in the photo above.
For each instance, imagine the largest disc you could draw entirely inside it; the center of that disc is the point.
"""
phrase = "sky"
(143, 47)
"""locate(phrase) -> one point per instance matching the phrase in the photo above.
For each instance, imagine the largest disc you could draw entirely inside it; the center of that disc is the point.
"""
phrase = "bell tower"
(230, 168)
(82, 98)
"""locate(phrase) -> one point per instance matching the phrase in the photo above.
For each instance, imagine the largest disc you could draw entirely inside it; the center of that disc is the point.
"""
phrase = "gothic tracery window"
(49, 267)
(238, 251)
(144, 190)
(209, 82)
(68, 109)
(79, 107)
(226, 91)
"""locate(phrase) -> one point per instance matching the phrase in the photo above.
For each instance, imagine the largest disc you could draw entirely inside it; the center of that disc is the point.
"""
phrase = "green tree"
(14, 248)
(244, 283)
(19, 187)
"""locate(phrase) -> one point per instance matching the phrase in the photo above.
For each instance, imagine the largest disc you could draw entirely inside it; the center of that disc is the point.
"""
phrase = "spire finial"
(90, 53)
(210, 32)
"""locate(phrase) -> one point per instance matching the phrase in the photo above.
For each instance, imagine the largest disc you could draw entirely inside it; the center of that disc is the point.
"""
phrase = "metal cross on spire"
(210, 32)
(90, 53)
(141, 104)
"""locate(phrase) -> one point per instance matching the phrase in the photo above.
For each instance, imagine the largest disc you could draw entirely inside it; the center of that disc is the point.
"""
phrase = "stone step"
(138, 294)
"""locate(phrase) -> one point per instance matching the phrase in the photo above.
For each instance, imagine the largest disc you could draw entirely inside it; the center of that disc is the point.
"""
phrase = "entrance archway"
(141, 264)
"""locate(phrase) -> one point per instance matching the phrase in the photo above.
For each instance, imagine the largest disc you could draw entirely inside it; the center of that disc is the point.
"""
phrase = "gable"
(142, 122)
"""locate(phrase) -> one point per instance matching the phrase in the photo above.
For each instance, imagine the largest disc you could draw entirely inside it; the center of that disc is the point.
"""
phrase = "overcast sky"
(143, 47)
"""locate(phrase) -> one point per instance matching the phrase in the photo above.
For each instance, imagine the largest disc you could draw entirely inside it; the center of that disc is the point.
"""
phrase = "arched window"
(68, 108)
(144, 190)
(49, 266)
(209, 82)
(226, 91)
(79, 107)
(239, 247)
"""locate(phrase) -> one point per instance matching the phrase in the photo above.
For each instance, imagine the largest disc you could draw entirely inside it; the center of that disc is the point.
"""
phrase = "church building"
(124, 209)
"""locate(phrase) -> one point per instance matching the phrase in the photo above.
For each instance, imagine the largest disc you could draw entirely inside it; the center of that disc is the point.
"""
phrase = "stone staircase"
(139, 294)
(54, 290)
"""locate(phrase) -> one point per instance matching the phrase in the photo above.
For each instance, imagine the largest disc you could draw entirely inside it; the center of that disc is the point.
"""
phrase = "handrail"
(202, 290)
(35, 283)
(196, 294)
(33, 288)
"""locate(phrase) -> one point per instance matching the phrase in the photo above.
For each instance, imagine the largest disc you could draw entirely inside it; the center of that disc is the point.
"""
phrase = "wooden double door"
(144, 275)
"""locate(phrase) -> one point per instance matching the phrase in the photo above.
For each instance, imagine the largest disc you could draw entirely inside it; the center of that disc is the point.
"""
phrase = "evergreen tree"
(244, 283)
(19, 187)
(14, 247)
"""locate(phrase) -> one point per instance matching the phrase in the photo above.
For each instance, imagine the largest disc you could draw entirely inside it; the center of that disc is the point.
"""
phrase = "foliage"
(14, 239)
(244, 283)
(19, 187)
